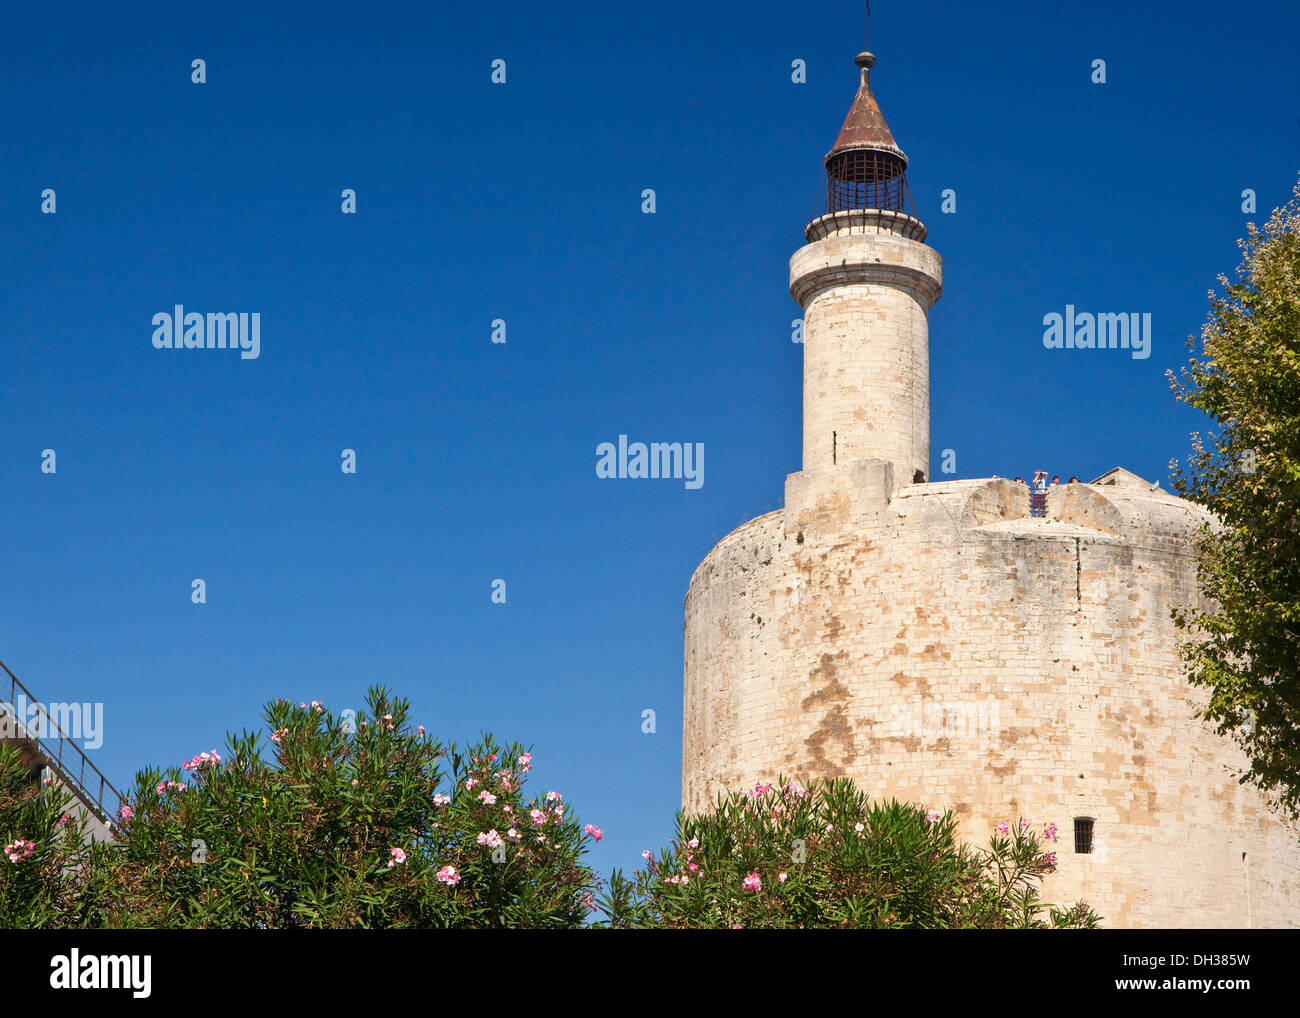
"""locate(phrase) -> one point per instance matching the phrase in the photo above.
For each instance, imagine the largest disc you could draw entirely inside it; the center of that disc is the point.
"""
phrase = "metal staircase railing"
(62, 755)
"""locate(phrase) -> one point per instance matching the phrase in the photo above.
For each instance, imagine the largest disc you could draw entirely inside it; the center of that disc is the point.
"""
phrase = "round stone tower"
(940, 645)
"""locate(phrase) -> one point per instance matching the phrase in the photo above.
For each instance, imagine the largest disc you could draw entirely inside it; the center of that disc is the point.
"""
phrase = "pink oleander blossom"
(487, 798)
(449, 876)
(752, 882)
(398, 857)
(933, 816)
(593, 832)
(19, 850)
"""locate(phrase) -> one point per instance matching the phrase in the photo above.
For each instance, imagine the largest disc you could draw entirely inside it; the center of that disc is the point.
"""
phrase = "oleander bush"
(824, 856)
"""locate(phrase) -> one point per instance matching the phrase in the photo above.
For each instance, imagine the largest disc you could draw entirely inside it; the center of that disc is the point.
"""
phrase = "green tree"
(1244, 647)
(824, 856)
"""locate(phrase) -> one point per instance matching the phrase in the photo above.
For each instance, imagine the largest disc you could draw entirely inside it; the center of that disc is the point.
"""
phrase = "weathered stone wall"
(944, 648)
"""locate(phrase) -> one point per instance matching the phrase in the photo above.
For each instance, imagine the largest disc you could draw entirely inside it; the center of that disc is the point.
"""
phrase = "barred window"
(1082, 835)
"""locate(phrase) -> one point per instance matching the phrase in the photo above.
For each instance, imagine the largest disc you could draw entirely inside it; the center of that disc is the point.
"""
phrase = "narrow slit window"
(1082, 835)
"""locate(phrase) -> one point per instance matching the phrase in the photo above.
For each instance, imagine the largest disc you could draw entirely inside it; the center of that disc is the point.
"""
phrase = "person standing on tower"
(1038, 494)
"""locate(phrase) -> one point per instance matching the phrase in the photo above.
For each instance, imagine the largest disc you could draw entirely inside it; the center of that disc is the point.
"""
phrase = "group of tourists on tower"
(1039, 489)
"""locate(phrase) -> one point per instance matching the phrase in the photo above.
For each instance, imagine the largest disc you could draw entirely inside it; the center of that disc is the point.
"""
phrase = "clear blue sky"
(522, 202)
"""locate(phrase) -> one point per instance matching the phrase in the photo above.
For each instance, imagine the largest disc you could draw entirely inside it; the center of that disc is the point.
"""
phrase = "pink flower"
(126, 813)
(859, 828)
(752, 882)
(491, 839)
(487, 798)
(355, 782)
(506, 808)
(441, 800)
(514, 835)
(538, 816)
(1051, 858)
(64, 819)
(934, 816)
(1002, 828)
(449, 876)
(398, 857)
(201, 761)
(1024, 824)
(829, 828)
(554, 797)
(694, 843)
(470, 782)
(526, 762)
(793, 787)
(279, 734)
(420, 731)
(645, 853)
(782, 876)
(19, 850)
(593, 832)
(317, 706)
(1050, 832)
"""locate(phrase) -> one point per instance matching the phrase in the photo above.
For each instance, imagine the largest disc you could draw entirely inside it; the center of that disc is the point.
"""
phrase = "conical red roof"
(865, 128)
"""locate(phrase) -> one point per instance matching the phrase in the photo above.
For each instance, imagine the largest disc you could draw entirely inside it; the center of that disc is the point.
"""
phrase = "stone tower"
(866, 282)
(940, 645)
